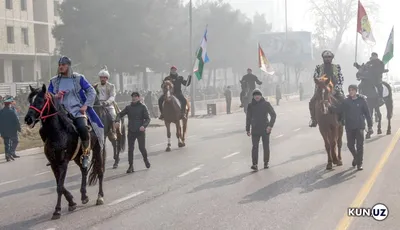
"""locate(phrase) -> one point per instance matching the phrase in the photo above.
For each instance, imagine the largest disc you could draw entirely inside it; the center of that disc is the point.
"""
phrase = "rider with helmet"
(106, 93)
(248, 83)
(178, 81)
(377, 68)
(334, 73)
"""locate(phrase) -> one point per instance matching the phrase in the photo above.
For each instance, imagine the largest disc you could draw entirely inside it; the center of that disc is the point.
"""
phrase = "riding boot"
(85, 156)
(130, 169)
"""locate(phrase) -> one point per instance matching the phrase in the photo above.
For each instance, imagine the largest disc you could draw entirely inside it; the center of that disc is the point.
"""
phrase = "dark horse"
(328, 122)
(62, 145)
(118, 143)
(172, 114)
(247, 97)
(367, 88)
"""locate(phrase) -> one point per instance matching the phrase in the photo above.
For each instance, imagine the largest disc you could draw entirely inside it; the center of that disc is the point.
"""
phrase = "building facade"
(26, 40)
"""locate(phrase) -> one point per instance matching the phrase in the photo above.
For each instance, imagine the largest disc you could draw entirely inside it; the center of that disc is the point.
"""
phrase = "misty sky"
(300, 19)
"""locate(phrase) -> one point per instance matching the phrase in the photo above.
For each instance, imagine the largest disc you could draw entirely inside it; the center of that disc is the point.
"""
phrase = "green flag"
(201, 58)
(388, 55)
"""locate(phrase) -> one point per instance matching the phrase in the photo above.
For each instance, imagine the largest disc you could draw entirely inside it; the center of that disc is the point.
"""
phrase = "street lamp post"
(193, 82)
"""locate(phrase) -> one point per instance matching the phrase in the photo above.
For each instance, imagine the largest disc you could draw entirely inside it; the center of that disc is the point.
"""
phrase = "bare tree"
(334, 17)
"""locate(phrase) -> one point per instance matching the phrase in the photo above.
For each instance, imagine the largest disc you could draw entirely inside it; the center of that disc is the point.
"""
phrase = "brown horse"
(172, 114)
(328, 122)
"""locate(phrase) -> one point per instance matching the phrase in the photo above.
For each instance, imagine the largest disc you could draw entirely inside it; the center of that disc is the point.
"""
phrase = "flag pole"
(358, 18)
(193, 88)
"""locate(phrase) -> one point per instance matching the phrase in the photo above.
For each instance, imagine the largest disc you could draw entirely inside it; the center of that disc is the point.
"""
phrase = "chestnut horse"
(172, 114)
(328, 122)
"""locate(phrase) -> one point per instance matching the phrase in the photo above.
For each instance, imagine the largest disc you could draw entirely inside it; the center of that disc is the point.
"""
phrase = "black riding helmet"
(64, 60)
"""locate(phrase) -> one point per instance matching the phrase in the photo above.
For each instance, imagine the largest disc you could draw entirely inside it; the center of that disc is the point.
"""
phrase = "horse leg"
(329, 166)
(389, 109)
(379, 118)
(184, 128)
(84, 173)
(60, 172)
(99, 158)
(179, 134)
(339, 145)
(368, 135)
(168, 126)
(115, 144)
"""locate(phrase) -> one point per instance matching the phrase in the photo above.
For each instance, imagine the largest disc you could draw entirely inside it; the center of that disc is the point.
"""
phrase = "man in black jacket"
(138, 120)
(356, 112)
(9, 128)
(257, 120)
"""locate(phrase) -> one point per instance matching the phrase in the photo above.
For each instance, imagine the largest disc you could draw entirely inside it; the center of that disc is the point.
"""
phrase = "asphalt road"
(209, 184)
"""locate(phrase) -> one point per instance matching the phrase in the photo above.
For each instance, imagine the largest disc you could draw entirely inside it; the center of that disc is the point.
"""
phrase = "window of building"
(23, 5)
(10, 34)
(25, 36)
(9, 4)
(56, 8)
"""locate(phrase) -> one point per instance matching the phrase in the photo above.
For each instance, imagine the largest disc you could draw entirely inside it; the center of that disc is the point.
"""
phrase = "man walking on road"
(356, 112)
(258, 126)
(9, 128)
(138, 120)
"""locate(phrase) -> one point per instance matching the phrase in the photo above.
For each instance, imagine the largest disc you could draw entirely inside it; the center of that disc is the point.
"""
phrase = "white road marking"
(38, 174)
(191, 136)
(8, 182)
(130, 196)
(279, 136)
(190, 171)
(231, 155)
(218, 129)
(296, 130)
(158, 144)
(51, 229)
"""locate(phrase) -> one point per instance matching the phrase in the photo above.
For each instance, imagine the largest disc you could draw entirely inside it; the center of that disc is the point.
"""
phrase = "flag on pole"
(201, 57)
(389, 48)
(263, 62)
(364, 26)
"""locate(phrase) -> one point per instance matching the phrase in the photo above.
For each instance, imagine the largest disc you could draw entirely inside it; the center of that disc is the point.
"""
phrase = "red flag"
(263, 62)
(363, 25)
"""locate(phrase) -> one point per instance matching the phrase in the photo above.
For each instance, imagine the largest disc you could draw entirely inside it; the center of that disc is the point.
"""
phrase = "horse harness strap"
(46, 105)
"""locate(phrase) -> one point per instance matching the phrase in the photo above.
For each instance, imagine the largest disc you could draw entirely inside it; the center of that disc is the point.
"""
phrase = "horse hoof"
(72, 207)
(100, 201)
(180, 145)
(388, 132)
(168, 149)
(339, 163)
(85, 200)
(329, 166)
(379, 131)
(56, 216)
(115, 166)
(367, 136)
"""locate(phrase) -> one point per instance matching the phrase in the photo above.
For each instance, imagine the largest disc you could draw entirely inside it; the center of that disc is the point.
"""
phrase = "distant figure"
(278, 94)
(148, 101)
(248, 84)
(301, 91)
(9, 128)
(258, 126)
(228, 99)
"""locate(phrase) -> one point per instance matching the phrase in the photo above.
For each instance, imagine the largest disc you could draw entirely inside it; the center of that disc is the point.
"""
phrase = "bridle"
(325, 89)
(167, 94)
(46, 106)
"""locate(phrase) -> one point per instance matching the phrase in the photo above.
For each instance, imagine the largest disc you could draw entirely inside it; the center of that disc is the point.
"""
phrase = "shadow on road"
(308, 181)
(221, 182)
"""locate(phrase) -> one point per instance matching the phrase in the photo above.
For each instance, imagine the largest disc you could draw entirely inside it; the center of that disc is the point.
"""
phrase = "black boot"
(266, 165)
(15, 155)
(254, 167)
(146, 162)
(313, 123)
(130, 169)
(85, 156)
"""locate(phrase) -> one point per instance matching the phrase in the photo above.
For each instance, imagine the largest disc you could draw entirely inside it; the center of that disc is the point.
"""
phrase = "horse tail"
(98, 164)
(122, 138)
(388, 101)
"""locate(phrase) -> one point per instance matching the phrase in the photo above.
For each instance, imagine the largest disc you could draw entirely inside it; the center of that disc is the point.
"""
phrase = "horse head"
(324, 92)
(41, 106)
(363, 73)
(168, 90)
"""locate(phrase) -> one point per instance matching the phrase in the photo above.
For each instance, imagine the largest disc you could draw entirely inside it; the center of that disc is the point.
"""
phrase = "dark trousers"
(254, 151)
(141, 138)
(242, 94)
(81, 126)
(10, 145)
(355, 143)
(228, 105)
(379, 87)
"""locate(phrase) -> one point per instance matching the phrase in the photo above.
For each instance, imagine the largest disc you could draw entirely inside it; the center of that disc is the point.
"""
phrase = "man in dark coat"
(259, 126)
(356, 111)
(138, 120)
(228, 99)
(178, 81)
(248, 83)
(376, 68)
(9, 128)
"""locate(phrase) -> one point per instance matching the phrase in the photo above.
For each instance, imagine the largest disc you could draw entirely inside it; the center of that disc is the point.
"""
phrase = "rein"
(47, 105)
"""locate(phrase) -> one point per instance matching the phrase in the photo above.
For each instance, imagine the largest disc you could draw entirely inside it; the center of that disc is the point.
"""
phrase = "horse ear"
(31, 88)
(44, 88)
